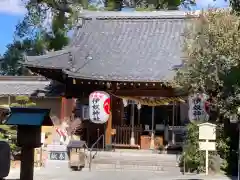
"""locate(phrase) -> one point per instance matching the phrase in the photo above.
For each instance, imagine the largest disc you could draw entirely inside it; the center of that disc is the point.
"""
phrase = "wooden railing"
(123, 134)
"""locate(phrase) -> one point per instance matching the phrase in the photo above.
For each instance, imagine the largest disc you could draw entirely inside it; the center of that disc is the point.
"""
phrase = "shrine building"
(133, 56)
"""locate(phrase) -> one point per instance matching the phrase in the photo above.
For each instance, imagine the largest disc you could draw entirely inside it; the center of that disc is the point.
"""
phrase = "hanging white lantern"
(99, 107)
(125, 103)
(139, 106)
(197, 107)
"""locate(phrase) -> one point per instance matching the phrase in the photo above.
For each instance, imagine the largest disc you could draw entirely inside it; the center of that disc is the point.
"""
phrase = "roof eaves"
(30, 65)
(112, 79)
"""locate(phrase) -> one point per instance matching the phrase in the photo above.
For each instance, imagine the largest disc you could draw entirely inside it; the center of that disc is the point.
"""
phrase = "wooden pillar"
(67, 106)
(108, 134)
(108, 129)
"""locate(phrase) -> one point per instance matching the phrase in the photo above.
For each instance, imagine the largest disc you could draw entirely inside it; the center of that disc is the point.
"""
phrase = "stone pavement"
(63, 174)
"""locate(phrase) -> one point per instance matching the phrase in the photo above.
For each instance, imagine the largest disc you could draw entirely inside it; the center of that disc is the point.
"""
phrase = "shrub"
(193, 157)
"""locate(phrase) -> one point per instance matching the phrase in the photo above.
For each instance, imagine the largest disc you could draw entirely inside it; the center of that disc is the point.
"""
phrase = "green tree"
(212, 59)
(14, 56)
(235, 4)
(211, 66)
(50, 20)
(44, 28)
(9, 132)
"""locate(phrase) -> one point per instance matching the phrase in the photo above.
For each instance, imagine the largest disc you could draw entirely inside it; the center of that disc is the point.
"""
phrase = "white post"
(152, 134)
(206, 160)
(132, 140)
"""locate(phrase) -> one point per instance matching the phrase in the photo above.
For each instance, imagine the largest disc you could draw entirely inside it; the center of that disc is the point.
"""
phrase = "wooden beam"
(63, 104)
(108, 135)
(150, 93)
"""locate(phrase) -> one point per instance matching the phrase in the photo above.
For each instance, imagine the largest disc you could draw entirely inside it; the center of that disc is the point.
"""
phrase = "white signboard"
(99, 107)
(197, 107)
(207, 146)
(207, 131)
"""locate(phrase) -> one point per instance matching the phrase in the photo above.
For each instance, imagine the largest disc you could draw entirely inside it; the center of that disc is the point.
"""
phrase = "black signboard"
(58, 155)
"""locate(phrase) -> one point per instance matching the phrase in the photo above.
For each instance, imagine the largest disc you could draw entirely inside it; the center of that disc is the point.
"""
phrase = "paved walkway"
(63, 174)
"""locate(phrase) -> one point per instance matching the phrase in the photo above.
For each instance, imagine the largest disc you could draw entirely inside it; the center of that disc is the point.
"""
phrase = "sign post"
(207, 137)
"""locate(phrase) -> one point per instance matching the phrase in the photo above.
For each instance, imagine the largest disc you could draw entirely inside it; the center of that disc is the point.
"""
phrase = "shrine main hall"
(133, 56)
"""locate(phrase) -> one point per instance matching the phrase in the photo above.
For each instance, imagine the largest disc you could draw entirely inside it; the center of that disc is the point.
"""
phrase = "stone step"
(117, 167)
(99, 156)
(164, 157)
(126, 166)
(100, 160)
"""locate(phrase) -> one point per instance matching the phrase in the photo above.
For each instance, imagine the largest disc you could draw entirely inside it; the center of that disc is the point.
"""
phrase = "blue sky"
(12, 11)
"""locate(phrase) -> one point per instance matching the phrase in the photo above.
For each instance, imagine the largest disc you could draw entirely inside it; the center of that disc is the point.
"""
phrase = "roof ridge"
(106, 15)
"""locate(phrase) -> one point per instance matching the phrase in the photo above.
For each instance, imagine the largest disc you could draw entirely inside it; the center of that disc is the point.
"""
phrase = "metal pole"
(132, 140)
(98, 137)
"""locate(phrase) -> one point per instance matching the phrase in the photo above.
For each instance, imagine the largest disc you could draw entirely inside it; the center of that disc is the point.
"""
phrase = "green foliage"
(92, 8)
(22, 101)
(50, 20)
(211, 66)
(2, 137)
(193, 157)
(222, 145)
(14, 56)
(144, 8)
(110, 6)
(44, 28)
(235, 4)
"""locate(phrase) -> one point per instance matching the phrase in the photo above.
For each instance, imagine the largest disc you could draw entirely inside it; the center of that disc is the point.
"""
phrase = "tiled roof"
(121, 47)
(29, 86)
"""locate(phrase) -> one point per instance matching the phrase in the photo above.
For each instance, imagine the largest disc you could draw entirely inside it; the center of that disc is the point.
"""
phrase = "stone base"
(54, 151)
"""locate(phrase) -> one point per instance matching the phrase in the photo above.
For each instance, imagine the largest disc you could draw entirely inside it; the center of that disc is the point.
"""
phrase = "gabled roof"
(121, 46)
(28, 86)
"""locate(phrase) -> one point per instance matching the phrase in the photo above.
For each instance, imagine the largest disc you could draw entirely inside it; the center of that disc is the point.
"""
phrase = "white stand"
(206, 163)
(207, 131)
